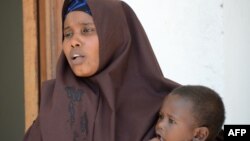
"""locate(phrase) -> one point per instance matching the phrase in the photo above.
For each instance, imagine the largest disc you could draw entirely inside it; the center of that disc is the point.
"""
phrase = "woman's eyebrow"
(89, 23)
(65, 28)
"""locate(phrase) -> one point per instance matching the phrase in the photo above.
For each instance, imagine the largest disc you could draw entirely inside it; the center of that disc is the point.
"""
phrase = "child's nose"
(160, 125)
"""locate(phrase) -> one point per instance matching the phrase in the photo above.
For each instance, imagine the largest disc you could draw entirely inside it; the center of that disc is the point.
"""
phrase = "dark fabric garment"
(121, 101)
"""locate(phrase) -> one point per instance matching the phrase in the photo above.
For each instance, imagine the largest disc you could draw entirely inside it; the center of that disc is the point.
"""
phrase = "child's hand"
(155, 139)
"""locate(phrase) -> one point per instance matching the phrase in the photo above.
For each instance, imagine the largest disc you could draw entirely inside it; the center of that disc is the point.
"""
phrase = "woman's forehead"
(78, 17)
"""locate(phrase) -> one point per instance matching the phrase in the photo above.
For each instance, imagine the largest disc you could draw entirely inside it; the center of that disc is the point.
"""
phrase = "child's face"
(81, 43)
(176, 122)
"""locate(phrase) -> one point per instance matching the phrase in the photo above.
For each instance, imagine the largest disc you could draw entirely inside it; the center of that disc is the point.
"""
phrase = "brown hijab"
(120, 102)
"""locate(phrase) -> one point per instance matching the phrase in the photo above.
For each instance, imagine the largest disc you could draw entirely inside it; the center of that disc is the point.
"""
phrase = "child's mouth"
(160, 138)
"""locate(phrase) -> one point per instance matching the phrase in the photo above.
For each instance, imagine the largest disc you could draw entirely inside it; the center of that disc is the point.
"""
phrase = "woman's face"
(81, 43)
(176, 121)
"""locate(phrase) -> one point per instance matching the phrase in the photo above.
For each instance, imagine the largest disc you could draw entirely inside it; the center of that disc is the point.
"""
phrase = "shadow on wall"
(11, 72)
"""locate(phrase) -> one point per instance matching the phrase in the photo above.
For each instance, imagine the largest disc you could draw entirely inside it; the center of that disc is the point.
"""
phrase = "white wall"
(237, 65)
(203, 42)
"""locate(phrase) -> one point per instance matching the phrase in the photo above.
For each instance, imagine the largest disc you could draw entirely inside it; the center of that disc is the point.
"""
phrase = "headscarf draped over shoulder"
(121, 101)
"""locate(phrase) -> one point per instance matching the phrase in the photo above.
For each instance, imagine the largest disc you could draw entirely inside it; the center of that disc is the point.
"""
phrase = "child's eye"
(171, 121)
(161, 116)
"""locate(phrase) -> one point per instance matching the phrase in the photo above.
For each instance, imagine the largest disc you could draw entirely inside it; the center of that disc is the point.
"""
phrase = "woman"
(109, 86)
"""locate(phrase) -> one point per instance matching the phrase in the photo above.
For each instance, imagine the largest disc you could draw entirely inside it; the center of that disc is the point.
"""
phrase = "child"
(190, 113)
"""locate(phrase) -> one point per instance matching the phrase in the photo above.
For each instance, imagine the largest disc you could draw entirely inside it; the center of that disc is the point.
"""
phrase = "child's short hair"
(208, 107)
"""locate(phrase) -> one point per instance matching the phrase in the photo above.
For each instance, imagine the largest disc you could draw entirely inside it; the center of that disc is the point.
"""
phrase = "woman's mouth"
(75, 56)
(77, 59)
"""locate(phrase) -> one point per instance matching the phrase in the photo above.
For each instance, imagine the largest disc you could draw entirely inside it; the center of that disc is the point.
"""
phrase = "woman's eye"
(67, 35)
(88, 30)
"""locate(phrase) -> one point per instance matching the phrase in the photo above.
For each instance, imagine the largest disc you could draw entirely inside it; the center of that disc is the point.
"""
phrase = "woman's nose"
(76, 42)
(73, 45)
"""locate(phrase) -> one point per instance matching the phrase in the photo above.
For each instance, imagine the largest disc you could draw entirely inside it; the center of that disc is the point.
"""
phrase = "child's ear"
(200, 134)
